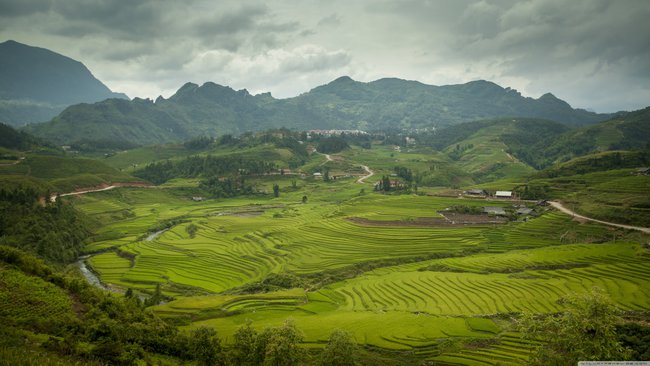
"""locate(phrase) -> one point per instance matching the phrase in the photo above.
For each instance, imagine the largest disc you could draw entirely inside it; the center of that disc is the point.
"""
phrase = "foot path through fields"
(365, 167)
(559, 206)
(370, 174)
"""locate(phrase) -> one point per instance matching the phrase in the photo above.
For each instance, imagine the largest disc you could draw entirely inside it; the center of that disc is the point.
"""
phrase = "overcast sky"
(594, 54)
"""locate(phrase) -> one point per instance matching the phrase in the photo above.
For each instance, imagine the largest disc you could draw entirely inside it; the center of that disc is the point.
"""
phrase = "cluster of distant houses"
(484, 193)
(329, 133)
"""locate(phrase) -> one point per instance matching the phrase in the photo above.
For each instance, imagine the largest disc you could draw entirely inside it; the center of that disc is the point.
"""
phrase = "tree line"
(53, 230)
(204, 166)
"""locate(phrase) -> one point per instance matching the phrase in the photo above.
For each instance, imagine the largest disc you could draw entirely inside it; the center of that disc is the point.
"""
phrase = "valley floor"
(322, 262)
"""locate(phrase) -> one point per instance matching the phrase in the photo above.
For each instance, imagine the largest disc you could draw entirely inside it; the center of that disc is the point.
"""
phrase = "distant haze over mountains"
(37, 84)
(212, 109)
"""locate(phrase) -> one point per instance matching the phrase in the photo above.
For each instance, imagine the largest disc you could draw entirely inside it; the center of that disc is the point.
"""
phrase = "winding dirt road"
(100, 189)
(365, 167)
(370, 174)
(567, 211)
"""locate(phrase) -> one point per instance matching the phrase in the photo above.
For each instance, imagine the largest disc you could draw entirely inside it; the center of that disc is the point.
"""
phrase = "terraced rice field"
(510, 349)
(393, 287)
(452, 293)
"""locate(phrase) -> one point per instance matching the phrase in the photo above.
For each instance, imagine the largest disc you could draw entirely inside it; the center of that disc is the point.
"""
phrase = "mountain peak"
(11, 42)
(342, 79)
(548, 96)
(185, 89)
(483, 84)
(41, 78)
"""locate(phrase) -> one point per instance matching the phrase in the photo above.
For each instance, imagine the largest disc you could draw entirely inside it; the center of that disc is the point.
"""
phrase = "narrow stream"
(92, 278)
(152, 236)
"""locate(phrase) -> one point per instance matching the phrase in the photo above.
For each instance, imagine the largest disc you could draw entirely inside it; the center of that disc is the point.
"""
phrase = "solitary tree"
(205, 347)
(341, 350)
(279, 346)
(191, 230)
(155, 298)
(243, 350)
(586, 331)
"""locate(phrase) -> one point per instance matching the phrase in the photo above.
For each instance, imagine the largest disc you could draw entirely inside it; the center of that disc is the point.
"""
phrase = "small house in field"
(503, 194)
(318, 175)
(494, 210)
(524, 211)
(396, 184)
(476, 192)
(198, 199)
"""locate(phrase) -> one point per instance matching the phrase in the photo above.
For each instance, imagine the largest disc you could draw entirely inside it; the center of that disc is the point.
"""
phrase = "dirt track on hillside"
(103, 187)
(567, 211)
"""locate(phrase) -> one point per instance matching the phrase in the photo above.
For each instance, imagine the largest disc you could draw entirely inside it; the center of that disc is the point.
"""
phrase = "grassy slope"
(615, 195)
(627, 132)
(488, 160)
(62, 174)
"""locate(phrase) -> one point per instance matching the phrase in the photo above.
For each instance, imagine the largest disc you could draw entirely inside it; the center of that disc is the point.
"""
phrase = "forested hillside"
(542, 143)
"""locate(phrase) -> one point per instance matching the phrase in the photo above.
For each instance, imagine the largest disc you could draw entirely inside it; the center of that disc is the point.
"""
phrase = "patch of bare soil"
(246, 213)
(448, 220)
(469, 219)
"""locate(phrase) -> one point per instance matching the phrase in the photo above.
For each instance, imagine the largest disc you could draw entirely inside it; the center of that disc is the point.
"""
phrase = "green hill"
(36, 84)
(598, 162)
(542, 143)
(486, 149)
(213, 109)
(625, 132)
(17, 140)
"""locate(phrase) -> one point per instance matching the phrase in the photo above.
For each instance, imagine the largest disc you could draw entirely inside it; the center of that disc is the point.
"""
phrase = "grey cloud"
(330, 20)
(310, 60)
(232, 22)
(124, 20)
(12, 8)
(594, 53)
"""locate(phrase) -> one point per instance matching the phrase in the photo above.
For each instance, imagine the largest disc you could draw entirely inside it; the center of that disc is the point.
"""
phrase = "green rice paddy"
(393, 286)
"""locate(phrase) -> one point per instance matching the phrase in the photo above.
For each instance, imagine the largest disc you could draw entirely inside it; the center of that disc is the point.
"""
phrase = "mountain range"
(212, 109)
(36, 84)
